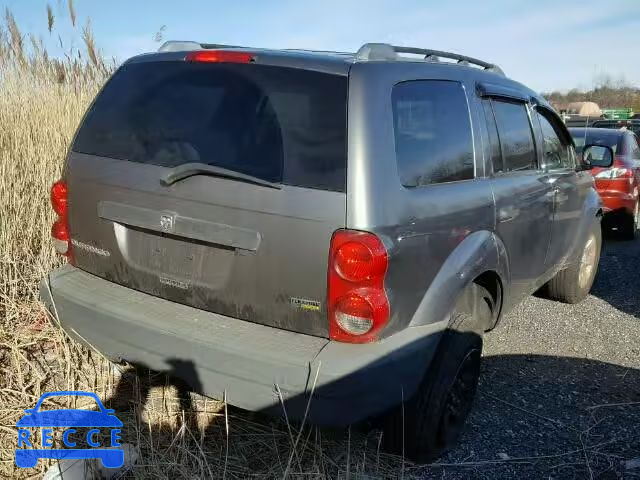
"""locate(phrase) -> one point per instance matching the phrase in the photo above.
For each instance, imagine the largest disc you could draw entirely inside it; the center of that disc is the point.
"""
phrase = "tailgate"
(244, 249)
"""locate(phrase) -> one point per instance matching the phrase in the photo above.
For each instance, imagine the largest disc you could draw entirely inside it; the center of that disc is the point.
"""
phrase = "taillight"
(60, 228)
(357, 303)
(219, 56)
(59, 198)
(617, 170)
(61, 237)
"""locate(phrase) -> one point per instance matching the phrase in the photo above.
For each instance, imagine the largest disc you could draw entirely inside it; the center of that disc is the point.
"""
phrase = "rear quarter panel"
(439, 237)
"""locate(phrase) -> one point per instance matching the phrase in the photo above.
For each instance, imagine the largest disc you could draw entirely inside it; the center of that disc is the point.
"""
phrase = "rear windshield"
(279, 124)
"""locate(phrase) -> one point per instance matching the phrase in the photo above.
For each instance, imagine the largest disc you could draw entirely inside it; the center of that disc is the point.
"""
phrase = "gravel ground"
(560, 389)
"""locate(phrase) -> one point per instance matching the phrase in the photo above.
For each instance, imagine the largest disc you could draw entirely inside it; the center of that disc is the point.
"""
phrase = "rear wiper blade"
(187, 170)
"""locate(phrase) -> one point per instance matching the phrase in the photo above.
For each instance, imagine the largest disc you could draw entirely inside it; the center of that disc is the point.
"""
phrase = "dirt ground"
(560, 387)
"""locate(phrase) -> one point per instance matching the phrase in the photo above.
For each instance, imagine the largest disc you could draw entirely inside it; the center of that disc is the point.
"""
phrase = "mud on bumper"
(218, 355)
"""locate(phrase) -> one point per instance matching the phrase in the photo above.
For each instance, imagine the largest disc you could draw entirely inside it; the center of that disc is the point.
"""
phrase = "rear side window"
(280, 124)
(432, 132)
(516, 137)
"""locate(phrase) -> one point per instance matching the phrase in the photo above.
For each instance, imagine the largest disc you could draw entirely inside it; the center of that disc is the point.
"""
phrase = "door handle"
(507, 214)
(552, 193)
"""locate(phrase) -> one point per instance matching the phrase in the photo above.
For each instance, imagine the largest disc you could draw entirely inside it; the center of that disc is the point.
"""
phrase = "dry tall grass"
(41, 101)
(180, 436)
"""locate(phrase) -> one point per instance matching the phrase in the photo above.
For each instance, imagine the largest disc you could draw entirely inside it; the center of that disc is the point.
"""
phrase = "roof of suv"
(340, 63)
(336, 62)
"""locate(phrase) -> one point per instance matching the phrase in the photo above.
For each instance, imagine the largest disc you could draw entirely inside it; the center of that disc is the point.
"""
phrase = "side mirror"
(596, 156)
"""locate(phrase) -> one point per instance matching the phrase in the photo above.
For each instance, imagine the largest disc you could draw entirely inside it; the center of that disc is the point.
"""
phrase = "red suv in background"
(618, 183)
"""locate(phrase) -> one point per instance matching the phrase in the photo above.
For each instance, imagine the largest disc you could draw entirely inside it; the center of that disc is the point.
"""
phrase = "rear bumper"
(215, 354)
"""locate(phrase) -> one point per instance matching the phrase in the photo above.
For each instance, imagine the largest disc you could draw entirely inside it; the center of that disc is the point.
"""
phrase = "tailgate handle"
(180, 226)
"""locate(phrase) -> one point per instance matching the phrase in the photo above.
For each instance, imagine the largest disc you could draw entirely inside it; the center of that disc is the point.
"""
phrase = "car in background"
(616, 181)
(632, 124)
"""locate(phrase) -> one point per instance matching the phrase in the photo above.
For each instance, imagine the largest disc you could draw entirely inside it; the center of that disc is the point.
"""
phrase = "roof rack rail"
(385, 51)
(184, 45)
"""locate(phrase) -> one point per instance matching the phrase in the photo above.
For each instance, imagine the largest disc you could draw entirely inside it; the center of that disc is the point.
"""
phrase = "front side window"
(516, 138)
(555, 152)
(432, 131)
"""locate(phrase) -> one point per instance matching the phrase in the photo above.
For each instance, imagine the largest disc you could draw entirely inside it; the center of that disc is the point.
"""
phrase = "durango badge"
(90, 248)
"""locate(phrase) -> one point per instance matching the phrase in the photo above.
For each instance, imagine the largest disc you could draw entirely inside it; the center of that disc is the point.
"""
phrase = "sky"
(546, 44)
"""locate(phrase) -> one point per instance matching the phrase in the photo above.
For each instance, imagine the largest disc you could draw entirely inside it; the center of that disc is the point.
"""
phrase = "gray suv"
(325, 233)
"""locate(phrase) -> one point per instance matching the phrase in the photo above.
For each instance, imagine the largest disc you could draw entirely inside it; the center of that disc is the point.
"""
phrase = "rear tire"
(573, 284)
(432, 420)
(629, 225)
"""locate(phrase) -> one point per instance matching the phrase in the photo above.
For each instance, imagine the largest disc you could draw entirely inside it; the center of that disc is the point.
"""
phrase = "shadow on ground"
(618, 279)
(534, 417)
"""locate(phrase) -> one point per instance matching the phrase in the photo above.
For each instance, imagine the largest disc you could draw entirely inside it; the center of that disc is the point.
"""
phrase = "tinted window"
(278, 124)
(432, 132)
(515, 134)
(555, 153)
(494, 142)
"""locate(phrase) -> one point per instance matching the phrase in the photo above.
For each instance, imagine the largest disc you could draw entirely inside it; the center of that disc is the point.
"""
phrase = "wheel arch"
(479, 260)
(491, 281)
(592, 208)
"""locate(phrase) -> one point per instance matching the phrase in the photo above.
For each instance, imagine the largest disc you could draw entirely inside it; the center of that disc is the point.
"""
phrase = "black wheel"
(432, 420)
(628, 226)
(572, 284)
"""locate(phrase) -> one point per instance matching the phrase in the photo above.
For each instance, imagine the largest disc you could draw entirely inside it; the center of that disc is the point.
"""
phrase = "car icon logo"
(67, 419)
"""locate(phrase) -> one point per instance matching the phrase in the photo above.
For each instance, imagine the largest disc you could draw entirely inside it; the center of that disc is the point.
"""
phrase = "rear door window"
(516, 136)
(432, 132)
(494, 142)
(279, 124)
